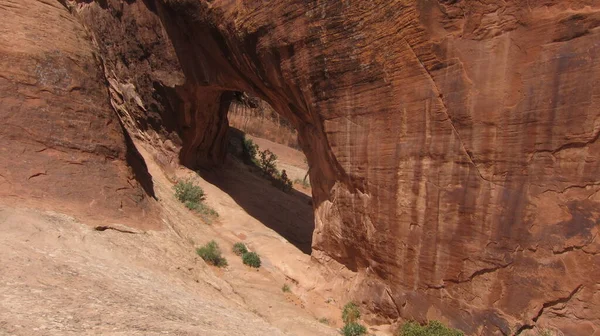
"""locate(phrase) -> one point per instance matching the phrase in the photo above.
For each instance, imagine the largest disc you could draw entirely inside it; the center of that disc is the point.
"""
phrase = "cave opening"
(271, 183)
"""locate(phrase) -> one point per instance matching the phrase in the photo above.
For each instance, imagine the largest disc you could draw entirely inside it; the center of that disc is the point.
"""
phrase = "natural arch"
(453, 145)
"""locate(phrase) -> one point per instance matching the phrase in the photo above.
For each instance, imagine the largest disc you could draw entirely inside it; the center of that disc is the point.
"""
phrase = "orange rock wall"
(61, 144)
(453, 144)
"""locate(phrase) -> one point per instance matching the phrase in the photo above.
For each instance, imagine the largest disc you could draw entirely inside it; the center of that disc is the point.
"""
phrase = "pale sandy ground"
(59, 276)
(290, 159)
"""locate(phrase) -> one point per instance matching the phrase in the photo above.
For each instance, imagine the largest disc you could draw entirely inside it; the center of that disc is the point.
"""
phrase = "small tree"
(267, 162)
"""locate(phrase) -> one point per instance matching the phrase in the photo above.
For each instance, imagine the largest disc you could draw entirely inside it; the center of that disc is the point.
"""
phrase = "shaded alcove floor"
(289, 214)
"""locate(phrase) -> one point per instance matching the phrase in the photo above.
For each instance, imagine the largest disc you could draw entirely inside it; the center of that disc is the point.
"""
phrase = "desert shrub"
(350, 313)
(354, 329)
(188, 193)
(324, 320)
(239, 249)
(192, 196)
(192, 206)
(251, 259)
(207, 213)
(267, 162)
(286, 182)
(206, 210)
(211, 253)
(249, 149)
(286, 288)
(282, 181)
(433, 328)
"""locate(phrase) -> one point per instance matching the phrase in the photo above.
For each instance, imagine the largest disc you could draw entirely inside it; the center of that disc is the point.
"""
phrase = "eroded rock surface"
(61, 144)
(453, 144)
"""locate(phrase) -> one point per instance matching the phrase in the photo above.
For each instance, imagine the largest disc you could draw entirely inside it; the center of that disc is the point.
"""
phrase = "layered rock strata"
(453, 144)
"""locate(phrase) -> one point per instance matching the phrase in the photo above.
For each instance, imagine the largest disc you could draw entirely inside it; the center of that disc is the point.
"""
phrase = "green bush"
(350, 313)
(266, 162)
(433, 328)
(354, 329)
(188, 193)
(211, 253)
(251, 259)
(250, 149)
(286, 288)
(208, 213)
(192, 196)
(192, 206)
(239, 249)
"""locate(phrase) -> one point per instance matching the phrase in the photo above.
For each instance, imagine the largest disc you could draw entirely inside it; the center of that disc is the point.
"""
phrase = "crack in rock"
(472, 276)
(445, 110)
(116, 228)
(578, 247)
(547, 305)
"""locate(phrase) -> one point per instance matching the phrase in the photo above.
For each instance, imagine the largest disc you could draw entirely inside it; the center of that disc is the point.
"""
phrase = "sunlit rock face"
(62, 146)
(453, 145)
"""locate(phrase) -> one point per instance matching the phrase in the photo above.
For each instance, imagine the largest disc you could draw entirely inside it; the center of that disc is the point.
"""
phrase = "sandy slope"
(60, 276)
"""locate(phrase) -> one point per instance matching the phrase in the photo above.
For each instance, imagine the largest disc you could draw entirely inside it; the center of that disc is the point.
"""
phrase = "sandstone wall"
(453, 144)
(61, 144)
(258, 118)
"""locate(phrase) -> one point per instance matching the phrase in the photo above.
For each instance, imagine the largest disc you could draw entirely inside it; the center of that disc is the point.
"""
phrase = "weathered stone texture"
(453, 144)
(61, 144)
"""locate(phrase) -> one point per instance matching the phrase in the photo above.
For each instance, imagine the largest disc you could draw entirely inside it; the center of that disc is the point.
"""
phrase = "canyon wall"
(255, 117)
(453, 144)
(62, 146)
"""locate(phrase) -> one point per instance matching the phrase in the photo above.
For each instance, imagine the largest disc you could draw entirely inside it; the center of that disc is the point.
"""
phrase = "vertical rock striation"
(453, 144)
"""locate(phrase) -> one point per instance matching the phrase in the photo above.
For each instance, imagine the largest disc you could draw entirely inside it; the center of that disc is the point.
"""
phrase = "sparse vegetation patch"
(211, 253)
(249, 150)
(286, 288)
(266, 162)
(192, 196)
(350, 313)
(239, 249)
(350, 316)
(188, 193)
(354, 329)
(324, 320)
(251, 259)
(433, 328)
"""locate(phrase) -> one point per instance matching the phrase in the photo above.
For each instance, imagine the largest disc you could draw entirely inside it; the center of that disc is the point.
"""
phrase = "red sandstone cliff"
(61, 143)
(453, 144)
